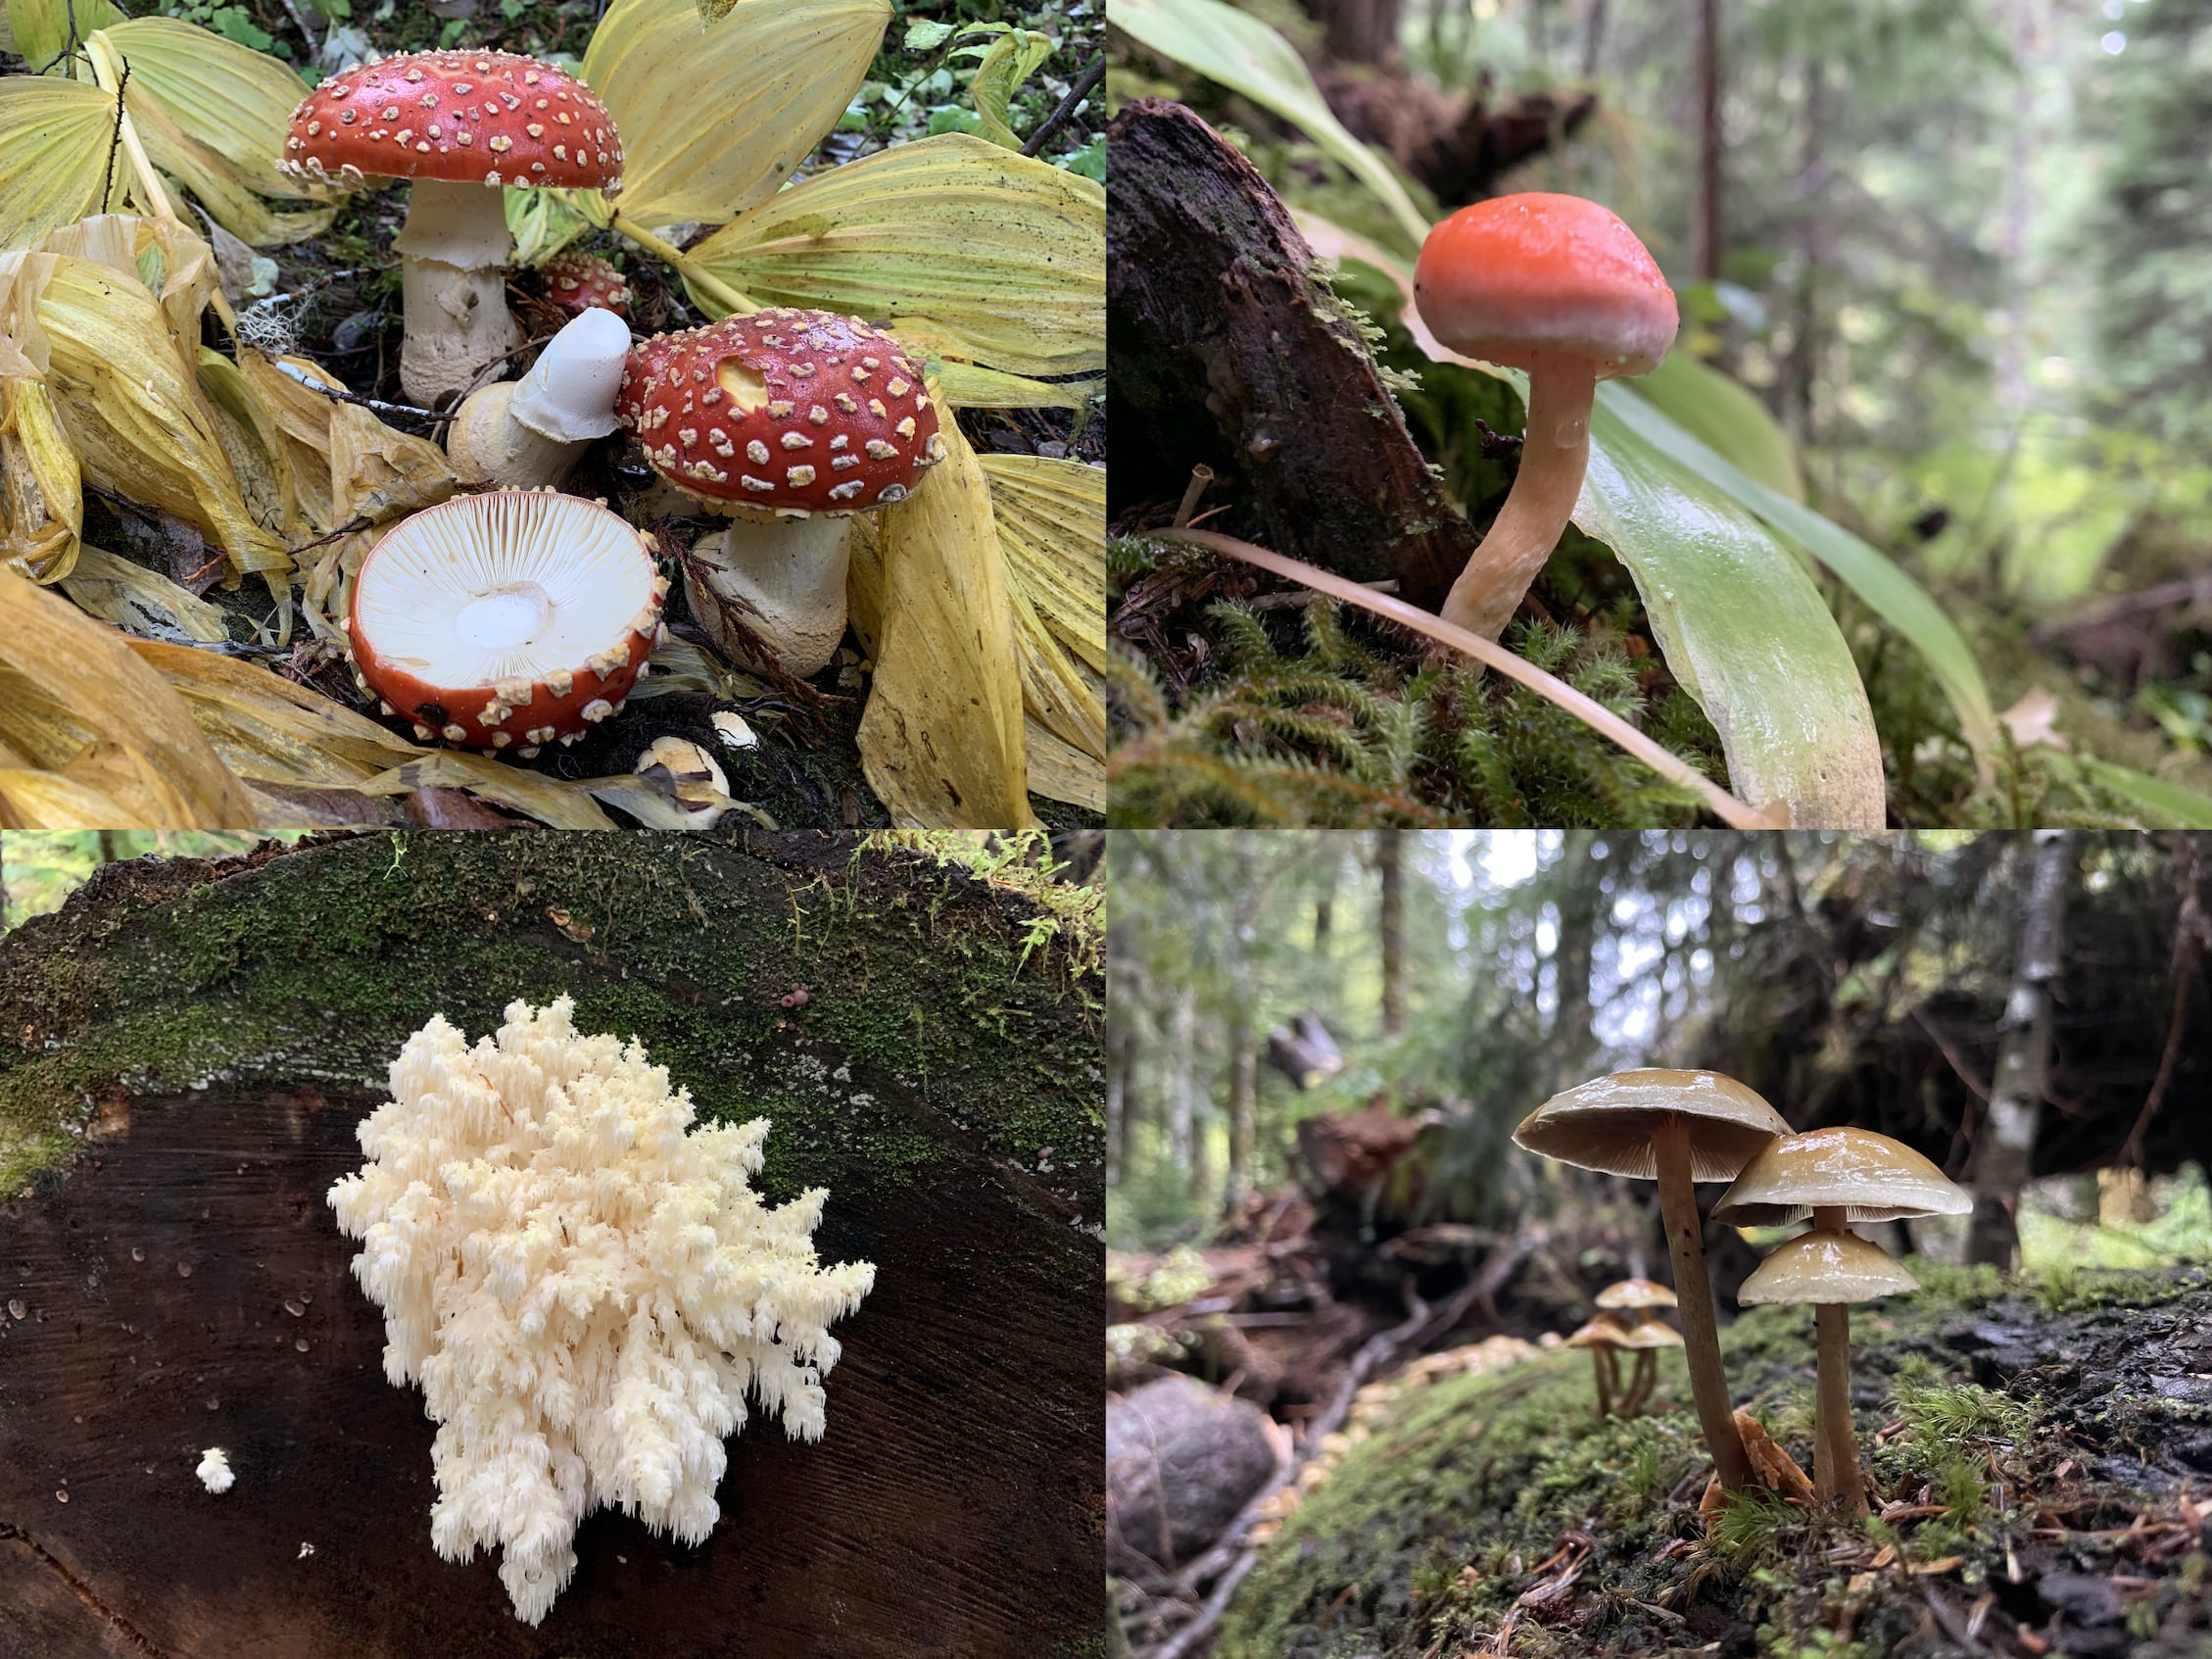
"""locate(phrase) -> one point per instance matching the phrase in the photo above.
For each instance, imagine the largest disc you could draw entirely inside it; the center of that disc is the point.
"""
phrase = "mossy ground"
(2024, 1432)
(937, 1011)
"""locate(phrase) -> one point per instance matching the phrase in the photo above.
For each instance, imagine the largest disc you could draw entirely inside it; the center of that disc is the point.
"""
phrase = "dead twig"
(1085, 85)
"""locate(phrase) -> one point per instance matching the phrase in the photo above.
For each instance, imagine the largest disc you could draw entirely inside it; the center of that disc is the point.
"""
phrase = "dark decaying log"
(182, 1283)
(1230, 350)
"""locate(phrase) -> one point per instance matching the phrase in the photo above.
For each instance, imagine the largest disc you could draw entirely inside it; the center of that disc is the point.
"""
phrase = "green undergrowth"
(925, 1025)
(1461, 1502)
(1305, 716)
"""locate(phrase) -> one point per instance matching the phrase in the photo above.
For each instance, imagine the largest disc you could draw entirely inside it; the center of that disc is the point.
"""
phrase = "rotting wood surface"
(182, 1286)
(1230, 351)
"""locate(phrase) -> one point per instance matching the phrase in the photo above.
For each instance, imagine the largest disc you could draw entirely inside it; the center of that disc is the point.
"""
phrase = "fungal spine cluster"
(585, 1286)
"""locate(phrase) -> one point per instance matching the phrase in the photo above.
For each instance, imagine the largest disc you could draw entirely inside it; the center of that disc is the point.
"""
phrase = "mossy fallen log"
(2043, 1455)
(186, 1051)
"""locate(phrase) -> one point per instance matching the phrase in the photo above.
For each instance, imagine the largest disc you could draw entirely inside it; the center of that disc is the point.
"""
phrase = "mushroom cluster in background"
(1685, 1126)
(1628, 1321)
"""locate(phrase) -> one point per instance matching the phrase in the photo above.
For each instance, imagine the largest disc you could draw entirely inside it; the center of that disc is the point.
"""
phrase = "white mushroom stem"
(1554, 456)
(453, 252)
(1834, 1450)
(1701, 1338)
(528, 432)
(790, 573)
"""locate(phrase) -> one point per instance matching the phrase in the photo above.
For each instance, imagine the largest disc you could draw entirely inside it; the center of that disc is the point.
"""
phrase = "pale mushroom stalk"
(1561, 287)
(1700, 1336)
(522, 434)
(784, 578)
(1835, 1452)
(1552, 460)
(453, 252)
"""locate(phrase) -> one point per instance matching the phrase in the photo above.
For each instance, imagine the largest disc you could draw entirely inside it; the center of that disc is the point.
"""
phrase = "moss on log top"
(316, 963)
(2015, 1437)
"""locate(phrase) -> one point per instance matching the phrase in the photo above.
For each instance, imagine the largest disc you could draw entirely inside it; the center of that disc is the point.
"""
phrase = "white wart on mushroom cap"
(516, 618)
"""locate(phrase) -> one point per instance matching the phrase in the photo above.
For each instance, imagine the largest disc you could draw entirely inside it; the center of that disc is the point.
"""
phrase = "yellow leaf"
(76, 702)
(270, 730)
(1051, 517)
(1061, 773)
(41, 495)
(133, 409)
(40, 29)
(941, 741)
(997, 255)
(551, 801)
(229, 98)
(965, 386)
(54, 141)
(716, 117)
(138, 599)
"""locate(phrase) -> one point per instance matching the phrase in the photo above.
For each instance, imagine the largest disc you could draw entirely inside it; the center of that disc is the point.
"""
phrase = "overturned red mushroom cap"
(578, 282)
(514, 617)
(465, 116)
(787, 411)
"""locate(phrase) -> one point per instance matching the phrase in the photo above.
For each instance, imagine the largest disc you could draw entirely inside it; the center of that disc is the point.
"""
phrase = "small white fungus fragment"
(586, 1287)
(215, 1470)
(733, 729)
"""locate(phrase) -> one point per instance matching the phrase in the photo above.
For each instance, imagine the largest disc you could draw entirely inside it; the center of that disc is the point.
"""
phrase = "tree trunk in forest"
(1231, 349)
(1362, 31)
(1704, 236)
(1593, 38)
(2007, 1141)
(1571, 1036)
(1389, 856)
(1183, 1059)
(1123, 998)
(1804, 364)
(188, 1049)
(1244, 1104)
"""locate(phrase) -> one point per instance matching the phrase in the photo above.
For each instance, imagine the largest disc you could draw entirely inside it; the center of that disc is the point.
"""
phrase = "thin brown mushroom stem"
(1601, 1363)
(1836, 1473)
(1701, 1338)
(1554, 456)
(1640, 1386)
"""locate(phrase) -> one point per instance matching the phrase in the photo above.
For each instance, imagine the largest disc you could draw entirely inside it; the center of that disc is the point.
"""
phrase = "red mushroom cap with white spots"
(787, 411)
(578, 282)
(511, 618)
(463, 117)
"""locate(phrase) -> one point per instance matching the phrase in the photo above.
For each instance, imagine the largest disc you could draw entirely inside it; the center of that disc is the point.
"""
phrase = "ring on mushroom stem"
(508, 619)
(1837, 1177)
(1677, 1127)
(466, 127)
(787, 422)
(1561, 287)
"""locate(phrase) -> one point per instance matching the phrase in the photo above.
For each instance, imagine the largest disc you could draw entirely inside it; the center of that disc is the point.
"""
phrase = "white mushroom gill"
(513, 585)
(585, 1286)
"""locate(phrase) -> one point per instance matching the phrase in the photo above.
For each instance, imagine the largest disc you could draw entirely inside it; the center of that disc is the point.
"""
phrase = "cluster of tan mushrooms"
(522, 616)
(1643, 1333)
(1681, 1127)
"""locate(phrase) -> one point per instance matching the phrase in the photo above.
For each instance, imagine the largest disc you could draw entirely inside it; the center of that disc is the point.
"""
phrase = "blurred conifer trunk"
(2007, 1137)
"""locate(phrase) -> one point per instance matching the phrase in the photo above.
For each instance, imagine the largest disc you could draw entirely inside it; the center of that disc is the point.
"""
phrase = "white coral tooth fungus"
(584, 1286)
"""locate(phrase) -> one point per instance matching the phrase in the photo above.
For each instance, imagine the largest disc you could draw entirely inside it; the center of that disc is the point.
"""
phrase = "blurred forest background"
(1349, 1025)
(1959, 250)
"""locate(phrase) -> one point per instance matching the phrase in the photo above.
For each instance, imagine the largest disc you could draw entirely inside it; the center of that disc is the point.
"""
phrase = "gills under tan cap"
(1652, 1334)
(1826, 1268)
(1608, 1124)
(1869, 1177)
